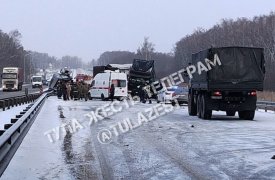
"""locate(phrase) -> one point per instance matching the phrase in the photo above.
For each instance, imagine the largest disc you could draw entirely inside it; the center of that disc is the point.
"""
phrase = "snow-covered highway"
(173, 146)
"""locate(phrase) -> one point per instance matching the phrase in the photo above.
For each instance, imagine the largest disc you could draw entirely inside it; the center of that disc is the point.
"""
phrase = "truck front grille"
(9, 86)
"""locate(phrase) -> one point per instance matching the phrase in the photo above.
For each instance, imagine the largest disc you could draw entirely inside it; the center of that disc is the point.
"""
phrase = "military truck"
(231, 86)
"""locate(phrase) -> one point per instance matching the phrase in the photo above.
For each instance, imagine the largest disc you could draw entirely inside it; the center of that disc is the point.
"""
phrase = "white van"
(102, 82)
(36, 81)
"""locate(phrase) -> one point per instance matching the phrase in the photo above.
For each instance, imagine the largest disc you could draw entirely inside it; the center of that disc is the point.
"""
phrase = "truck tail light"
(252, 93)
(217, 93)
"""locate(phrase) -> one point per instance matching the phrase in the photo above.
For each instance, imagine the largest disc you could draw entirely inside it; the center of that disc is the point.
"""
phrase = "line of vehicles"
(231, 87)
(13, 79)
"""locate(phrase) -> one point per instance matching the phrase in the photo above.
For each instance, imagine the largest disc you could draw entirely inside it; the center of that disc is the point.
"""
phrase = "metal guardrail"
(7, 103)
(14, 133)
(266, 105)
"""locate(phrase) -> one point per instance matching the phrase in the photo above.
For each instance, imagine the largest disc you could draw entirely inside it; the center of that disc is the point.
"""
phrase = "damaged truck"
(141, 74)
(231, 86)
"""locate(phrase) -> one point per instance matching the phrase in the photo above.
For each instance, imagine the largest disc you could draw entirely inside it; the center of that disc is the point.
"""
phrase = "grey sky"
(87, 28)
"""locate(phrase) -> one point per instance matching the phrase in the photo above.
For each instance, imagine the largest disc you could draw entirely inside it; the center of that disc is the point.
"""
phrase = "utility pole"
(25, 66)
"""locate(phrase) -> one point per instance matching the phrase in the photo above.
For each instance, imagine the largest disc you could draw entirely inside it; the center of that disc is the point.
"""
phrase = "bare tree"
(146, 49)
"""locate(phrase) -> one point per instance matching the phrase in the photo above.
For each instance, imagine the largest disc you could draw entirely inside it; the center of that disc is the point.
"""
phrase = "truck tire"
(247, 115)
(102, 97)
(199, 106)
(205, 112)
(230, 113)
(173, 103)
(89, 96)
(192, 109)
(18, 88)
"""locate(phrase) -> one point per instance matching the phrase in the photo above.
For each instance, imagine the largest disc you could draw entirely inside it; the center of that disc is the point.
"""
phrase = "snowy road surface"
(9, 94)
(174, 146)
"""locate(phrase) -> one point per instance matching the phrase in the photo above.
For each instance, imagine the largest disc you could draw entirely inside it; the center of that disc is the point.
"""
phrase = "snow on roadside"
(269, 111)
(5, 116)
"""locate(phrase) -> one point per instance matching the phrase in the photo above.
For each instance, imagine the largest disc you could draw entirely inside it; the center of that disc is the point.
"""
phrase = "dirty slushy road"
(173, 146)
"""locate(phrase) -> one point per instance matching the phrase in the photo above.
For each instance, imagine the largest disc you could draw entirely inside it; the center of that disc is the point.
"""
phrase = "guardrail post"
(14, 120)
(26, 91)
(7, 103)
(3, 105)
(12, 100)
(19, 116)
(10, 103)
(18, 101)
(2, 132)
(7, 126)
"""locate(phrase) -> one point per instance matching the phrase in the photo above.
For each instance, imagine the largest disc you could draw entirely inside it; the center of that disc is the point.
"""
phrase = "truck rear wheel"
(230, 113)
(199, 106)
(89, 96)
(247, 115)
(102, 97)
(192, 109)
(205, 112)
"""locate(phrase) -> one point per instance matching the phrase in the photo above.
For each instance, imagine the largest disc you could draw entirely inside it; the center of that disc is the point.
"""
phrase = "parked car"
(175, 92)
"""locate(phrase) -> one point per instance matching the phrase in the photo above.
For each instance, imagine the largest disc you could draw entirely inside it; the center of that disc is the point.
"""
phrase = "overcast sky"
(87, 28)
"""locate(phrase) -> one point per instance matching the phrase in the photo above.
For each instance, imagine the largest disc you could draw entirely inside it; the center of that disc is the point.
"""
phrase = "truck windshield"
(36, 79)
(9, 76)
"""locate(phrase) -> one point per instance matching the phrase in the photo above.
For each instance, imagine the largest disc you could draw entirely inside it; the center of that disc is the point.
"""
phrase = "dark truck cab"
(231, 86)
(141, 74)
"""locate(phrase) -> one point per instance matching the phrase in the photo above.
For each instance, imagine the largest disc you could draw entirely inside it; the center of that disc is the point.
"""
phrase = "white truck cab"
(12, 79)
(36, 81)
(102, 82)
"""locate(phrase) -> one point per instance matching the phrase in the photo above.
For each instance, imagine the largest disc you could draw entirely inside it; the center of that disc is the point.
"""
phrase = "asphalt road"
(8, 94)
(172, 146)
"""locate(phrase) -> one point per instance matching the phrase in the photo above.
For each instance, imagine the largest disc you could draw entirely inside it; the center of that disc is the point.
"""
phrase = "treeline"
(43, 60)
(13, 54)
(256, 32)
(11, 51)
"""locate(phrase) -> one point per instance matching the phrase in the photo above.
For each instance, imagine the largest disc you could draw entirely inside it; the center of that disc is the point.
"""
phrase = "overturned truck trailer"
(63, 76)
(142, 73)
